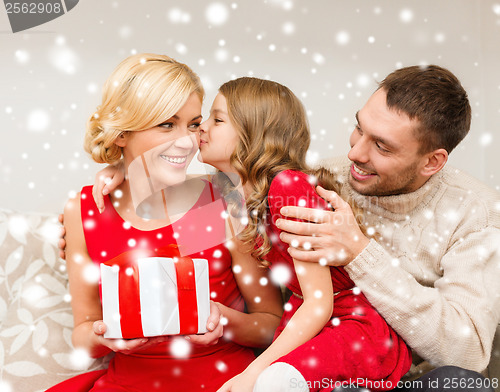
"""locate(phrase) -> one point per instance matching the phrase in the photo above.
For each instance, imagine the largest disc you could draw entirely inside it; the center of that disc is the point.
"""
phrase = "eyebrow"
(194, 119)
(375, 137)
(220, 111)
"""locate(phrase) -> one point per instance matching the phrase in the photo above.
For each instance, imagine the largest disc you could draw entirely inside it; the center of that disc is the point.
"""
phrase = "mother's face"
(218, 138)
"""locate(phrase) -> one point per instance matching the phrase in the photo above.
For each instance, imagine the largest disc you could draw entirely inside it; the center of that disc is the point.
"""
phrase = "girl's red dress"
(158, 368)
(357, 345)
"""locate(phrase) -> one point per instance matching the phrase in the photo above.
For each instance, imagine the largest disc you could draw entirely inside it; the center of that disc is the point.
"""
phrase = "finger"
(61, 244)
(60, 218)
(99, 327)
(62, 255)
(315, 256)
(331, 197)
(209, 338)
(112, 184)
(214, 318)
(300, 228)
(299, 241)
(134, 344)
(97, 192)
(308, 214)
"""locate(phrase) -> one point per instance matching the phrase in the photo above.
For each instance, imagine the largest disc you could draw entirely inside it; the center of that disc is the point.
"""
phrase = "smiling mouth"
(177, 160)
(360, 172)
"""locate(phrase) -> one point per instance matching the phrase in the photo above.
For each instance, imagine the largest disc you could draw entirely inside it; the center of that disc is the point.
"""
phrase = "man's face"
(384, 151)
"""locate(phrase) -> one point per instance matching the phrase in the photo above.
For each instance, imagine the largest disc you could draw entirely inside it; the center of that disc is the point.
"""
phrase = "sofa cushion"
(35, 311)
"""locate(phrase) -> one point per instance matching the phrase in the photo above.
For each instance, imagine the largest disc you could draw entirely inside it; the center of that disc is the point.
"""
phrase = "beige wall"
(328, 52)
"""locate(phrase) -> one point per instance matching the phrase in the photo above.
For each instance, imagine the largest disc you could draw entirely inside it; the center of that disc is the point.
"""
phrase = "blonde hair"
(144, 91)
(274, 136)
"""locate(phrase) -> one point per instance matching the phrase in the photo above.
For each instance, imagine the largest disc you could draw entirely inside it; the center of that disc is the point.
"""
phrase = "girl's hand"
(107, 181)
(243, 382)
(214, 326)
(124, 346)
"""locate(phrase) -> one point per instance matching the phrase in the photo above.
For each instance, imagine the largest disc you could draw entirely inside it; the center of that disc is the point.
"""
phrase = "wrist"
(360, 246)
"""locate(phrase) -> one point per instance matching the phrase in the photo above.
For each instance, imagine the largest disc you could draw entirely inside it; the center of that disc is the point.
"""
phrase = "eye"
(218, 120)
(194, 127)
(380, 147)
(358, 129)
(167, 125)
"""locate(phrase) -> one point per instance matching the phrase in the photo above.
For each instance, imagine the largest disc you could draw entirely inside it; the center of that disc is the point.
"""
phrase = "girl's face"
(218, 137)
(164, 152)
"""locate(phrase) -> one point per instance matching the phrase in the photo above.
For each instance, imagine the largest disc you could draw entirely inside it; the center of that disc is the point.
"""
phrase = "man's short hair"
(435, 98)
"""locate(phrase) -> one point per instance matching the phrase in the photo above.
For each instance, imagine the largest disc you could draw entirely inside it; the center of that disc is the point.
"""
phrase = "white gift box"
(148, 298)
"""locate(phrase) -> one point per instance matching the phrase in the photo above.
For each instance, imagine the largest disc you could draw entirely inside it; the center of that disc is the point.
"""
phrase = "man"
(432, 266)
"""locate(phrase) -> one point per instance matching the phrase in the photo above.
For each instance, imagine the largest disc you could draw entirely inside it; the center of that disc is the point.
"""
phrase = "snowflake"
(38, 120)
(280, 274)
(91, 274)
(180, 347)
(486, 139)
(288, 28)
(406, 15)
(80, 359)
(22, 56)
(342, 38)
(5, 386)
(221, 366)
(217, 14)
(176, 15)
(64, 59)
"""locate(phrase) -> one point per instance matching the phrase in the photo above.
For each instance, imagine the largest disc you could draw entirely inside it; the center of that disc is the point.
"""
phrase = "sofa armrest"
(35, 310)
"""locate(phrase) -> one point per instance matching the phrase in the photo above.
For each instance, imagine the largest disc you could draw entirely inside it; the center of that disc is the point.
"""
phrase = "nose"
(204, 127)
(359, 148)
(186, 142)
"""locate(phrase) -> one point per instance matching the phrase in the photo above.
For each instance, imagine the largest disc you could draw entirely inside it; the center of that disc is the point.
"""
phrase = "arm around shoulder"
(84, 292)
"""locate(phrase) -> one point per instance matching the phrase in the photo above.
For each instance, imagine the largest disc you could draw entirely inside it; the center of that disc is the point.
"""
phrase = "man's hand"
(329, 237)
(62, 241)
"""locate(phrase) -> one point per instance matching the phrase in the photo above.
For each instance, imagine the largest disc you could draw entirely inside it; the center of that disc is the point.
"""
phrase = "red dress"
(357, 346)
(156, 368)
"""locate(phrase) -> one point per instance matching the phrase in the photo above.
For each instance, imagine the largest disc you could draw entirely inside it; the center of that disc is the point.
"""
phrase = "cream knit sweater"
(435, 274)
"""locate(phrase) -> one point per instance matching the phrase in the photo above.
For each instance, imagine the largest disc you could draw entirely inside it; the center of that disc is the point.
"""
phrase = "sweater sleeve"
(451, 322)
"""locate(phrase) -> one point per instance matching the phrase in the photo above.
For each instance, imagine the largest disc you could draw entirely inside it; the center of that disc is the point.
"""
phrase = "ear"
(435, 161)
(121, 139)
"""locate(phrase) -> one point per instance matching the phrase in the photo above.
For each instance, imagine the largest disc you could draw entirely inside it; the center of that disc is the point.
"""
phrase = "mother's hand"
(124, 346)
(215, 328)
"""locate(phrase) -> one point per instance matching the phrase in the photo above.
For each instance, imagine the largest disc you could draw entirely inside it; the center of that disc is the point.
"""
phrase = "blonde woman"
(150, 116)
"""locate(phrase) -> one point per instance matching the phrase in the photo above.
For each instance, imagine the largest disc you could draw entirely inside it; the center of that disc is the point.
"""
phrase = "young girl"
(150, 115)
(329, 335)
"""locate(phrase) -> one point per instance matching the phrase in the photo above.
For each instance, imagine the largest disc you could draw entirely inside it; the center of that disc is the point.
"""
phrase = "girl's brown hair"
(274, 136)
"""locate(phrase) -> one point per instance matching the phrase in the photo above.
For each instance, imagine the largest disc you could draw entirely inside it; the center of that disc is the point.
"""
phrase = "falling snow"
(217, 14)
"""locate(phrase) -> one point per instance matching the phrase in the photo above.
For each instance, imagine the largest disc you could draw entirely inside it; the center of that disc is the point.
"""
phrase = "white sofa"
(35, 311)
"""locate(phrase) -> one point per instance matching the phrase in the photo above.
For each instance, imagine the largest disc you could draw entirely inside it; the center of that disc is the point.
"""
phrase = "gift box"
(154, 293)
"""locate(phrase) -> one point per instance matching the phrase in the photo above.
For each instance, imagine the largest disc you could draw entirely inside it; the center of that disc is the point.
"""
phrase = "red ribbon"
(128, 282)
